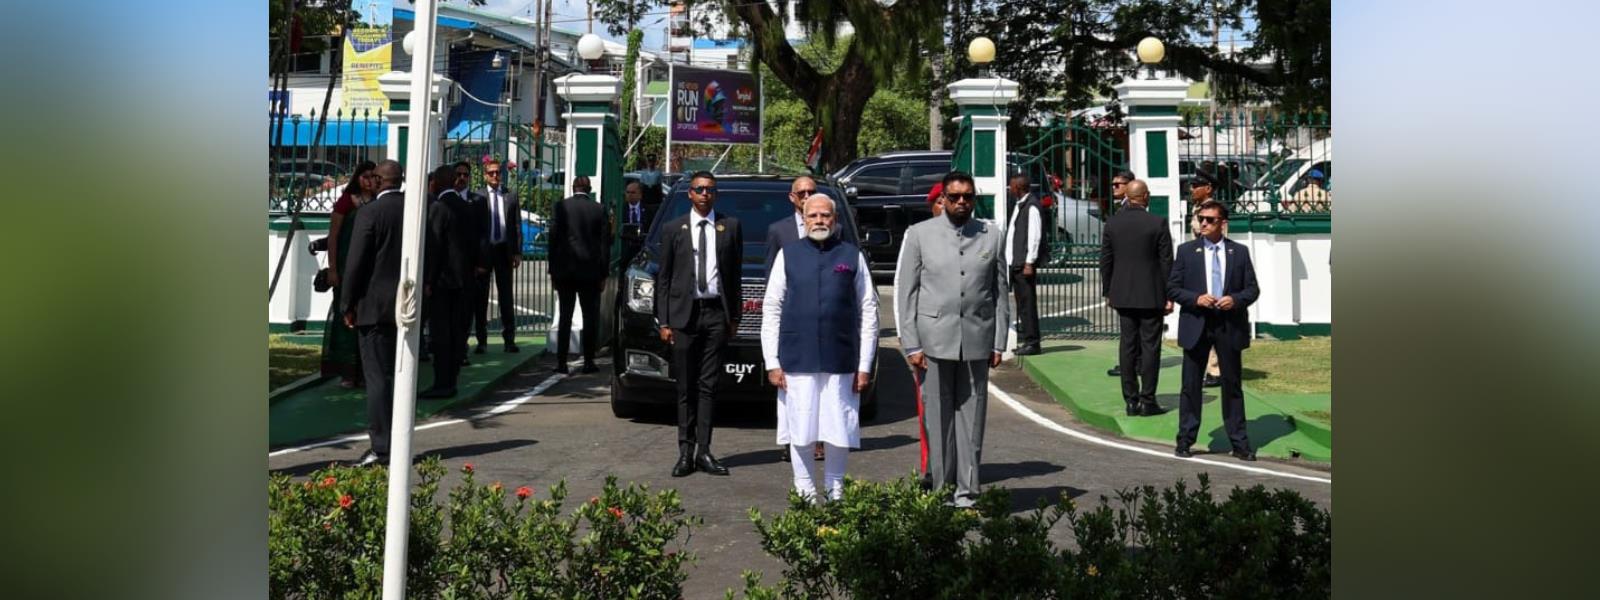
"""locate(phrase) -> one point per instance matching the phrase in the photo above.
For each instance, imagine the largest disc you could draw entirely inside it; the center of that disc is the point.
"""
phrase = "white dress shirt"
(497, 215)
(772, 313)
(1033, 237)
(636, 213)
(1220, 249)
(713, 274)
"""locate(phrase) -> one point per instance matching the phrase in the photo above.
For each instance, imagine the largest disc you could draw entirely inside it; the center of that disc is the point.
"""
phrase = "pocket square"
(843, 268)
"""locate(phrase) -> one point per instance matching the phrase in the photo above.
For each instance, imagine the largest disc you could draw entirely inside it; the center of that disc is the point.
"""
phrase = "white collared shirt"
(772, 313)
(1220, 249)
(1034, 231)
(713, 273)
(799, 224)
(496, 215)
(636, 213)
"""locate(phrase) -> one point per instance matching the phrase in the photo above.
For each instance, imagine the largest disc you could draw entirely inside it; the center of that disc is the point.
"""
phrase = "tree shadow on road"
(997, 472)
(1027, 499)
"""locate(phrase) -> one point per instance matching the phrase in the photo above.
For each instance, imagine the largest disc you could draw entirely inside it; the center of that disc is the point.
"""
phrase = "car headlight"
(641, 291)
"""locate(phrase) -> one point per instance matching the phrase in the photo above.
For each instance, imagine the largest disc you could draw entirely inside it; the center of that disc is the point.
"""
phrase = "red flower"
(594, 499)
(328, 481)
(615, 512)
(524, 491)
(345, 501)
(467, 467)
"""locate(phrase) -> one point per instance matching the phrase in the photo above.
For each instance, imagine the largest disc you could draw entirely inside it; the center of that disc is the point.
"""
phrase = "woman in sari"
(340, 355)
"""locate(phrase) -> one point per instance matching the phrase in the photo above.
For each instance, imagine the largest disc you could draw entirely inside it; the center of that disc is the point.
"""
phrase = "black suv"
(642, 362)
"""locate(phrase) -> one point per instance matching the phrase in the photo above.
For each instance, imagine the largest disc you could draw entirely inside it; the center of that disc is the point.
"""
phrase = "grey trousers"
(956, 396)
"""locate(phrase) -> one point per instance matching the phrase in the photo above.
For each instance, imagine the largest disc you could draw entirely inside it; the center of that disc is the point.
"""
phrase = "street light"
(590, 47)
(1151, 51)
(409, 44)
(981, 52)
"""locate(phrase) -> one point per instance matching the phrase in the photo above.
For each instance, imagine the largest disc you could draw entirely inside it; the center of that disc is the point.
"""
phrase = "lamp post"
(981, 52)
(590, 49)
(1151, 51)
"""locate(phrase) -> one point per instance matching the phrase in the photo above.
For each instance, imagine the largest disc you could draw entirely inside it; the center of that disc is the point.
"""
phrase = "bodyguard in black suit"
(1135, 258)
(698, 298)
(783, 231)
(448, 277)
(579, 242)
(372, 273)
(502, 249)
(478, 217)
(1214, 281)
(635, 212)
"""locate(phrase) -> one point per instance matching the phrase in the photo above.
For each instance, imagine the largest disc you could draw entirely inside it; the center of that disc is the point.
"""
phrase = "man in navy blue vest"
(780, 233)
(819, 334)
(1214, 281)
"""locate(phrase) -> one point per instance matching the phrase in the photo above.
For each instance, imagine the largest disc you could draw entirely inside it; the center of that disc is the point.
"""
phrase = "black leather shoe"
(371, 458)
(561, 368)
(589, 367)
(1183, 452)
(512, 348)
(706, 463)
(1245, 455)
(1133, 410)
(1114, 371)
(1211, 381)
(783, 455)
(482, 348)
(1151, 410)
(684, 466)
(437, 393)
(1029, 350)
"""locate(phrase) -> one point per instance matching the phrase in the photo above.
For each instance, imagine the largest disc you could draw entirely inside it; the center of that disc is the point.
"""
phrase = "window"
(881, 180)
(925, 175)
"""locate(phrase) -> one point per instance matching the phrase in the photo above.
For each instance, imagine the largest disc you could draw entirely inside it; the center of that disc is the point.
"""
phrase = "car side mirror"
(851, 191)
(631, 232)
(877, 237)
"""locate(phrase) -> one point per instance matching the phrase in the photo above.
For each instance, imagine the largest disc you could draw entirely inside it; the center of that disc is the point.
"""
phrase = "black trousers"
(696, 358)
(587, 294)
(1139, 355)
(447, 328)
(1194, 370)
(501, 273)
(1026, 289)
(377, 363)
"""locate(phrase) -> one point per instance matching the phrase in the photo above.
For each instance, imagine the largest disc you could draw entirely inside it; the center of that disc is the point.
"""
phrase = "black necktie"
(700, 275)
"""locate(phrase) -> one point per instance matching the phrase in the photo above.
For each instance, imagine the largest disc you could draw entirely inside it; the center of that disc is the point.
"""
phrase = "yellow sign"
(368, 48)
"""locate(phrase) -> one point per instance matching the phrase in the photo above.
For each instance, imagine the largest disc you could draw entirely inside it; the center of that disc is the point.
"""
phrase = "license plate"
(743, 373)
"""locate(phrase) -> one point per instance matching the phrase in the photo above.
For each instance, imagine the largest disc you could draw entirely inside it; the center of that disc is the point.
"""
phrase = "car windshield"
(1280, 172)
(756, 208)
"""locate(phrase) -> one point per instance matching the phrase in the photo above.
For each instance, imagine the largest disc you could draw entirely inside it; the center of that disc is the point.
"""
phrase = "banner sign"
(367, 49)
(716, 106)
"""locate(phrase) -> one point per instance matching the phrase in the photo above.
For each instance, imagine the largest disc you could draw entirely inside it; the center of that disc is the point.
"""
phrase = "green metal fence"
(312, 160)
(1071, 163)
(1266, 164)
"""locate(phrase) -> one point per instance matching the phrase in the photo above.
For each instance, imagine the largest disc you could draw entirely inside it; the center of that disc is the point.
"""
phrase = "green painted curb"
(307, 382)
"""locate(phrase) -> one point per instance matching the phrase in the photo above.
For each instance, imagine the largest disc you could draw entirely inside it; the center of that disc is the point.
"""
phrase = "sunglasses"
(703, 190)
(967, 197)
(1117, 183)
(804, 192)
(486, 173)
(1210, 220)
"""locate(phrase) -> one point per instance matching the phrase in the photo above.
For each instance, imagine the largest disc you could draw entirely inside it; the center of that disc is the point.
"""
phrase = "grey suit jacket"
(952, 293)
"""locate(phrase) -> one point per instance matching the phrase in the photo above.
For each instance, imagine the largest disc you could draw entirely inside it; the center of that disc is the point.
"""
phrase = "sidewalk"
(325, 409)
(1280, 425)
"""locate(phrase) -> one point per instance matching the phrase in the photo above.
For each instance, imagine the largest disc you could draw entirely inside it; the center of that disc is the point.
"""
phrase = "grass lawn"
(287, 361)
(1303, 366)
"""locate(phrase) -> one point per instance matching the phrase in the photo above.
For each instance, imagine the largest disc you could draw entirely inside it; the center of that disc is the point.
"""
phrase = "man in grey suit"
(952, 303)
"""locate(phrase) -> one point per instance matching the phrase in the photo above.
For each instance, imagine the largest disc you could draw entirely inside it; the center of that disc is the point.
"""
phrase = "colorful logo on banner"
(368, 48)
(715, 106)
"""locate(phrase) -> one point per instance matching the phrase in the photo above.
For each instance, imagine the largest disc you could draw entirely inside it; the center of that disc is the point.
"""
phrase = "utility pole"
(1211, 87)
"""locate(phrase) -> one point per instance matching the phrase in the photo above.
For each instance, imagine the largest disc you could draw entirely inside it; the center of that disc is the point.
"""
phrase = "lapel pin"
(721, 228)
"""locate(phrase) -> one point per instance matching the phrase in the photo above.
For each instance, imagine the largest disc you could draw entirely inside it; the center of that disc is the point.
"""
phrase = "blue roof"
(452, 22)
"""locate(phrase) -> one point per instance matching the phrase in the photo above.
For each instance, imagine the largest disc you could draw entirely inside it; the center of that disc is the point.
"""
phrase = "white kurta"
(820, 406)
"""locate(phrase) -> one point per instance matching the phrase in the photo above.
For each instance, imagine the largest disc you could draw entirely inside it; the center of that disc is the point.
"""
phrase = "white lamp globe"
(1151, 51)
(590, 47)
(409, 44)
(980, 51)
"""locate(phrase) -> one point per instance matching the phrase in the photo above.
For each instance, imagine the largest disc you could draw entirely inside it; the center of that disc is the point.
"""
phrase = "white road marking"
(497, 409)
(1074, 311)
(520, 308)
(1054, 426)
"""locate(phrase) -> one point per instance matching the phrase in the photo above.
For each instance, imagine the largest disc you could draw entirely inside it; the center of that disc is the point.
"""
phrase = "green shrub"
(325, 539)
(894, 540)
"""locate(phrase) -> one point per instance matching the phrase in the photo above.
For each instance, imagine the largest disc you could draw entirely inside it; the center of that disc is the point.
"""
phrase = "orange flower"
(594, 499)
(346, 500)
(496, 487)
(615, 512)
(467, 467)
(328, 481)
(524, 491)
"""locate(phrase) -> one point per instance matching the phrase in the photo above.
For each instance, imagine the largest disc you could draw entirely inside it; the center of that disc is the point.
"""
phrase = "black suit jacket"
(780, 233)
(500, 254)
(1135, 258)
(453, 249)
(675, 284)
(478, 214)
(1188, 281)
(372, 270)
(579, 241)
(647, 214)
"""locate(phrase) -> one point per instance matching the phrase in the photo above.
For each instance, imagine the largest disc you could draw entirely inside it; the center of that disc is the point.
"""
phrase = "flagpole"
(408, 299)
(761, 121)
(672, 113)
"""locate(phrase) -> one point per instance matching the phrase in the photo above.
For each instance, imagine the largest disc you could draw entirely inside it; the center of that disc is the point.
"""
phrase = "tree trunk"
(935, 100)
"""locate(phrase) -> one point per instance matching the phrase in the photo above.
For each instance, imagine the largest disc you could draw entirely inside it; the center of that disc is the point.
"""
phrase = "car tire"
(621, 405)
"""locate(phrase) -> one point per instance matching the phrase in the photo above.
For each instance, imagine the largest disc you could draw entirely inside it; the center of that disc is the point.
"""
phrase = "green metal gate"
(533, 165)
(1072, 163)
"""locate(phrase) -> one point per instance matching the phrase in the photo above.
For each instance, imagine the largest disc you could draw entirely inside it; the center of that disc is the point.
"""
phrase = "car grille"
(750, 314)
